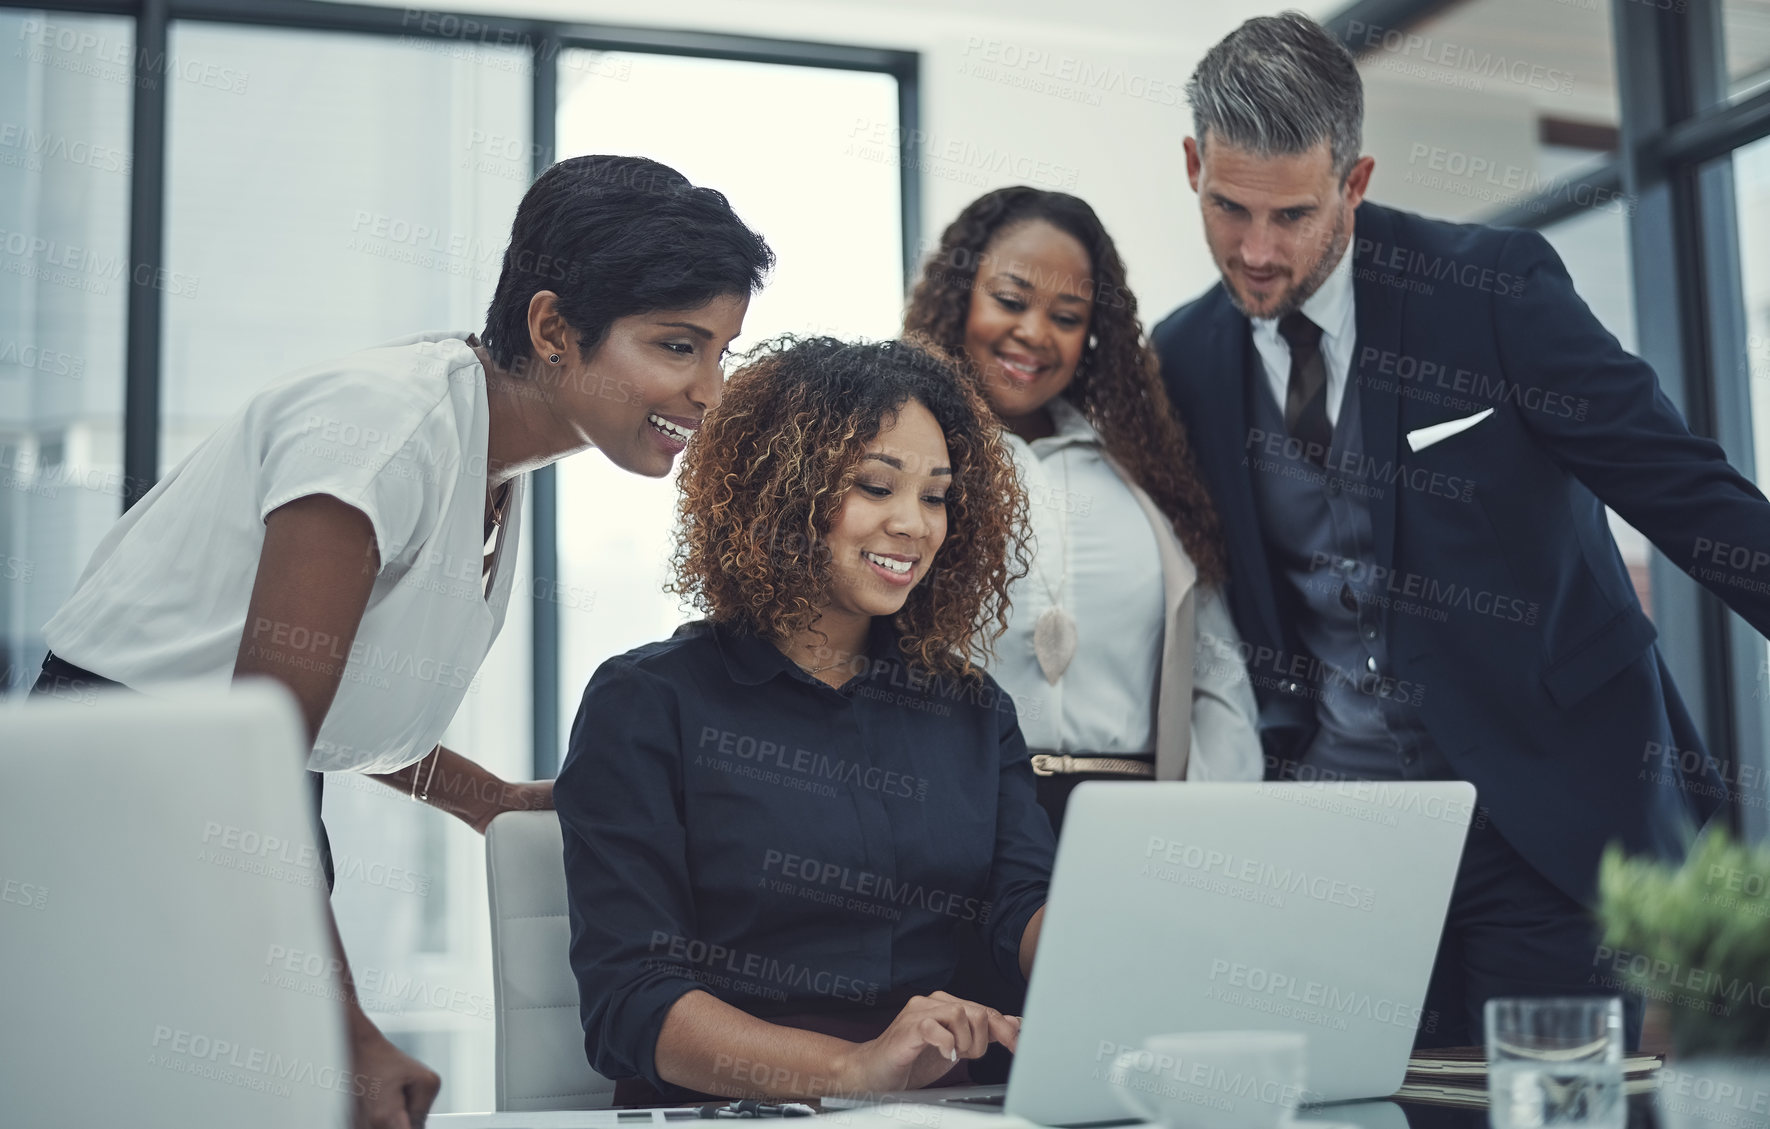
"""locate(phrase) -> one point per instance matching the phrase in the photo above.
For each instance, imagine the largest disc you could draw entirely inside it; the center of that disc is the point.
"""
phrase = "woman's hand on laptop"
(927, 1038)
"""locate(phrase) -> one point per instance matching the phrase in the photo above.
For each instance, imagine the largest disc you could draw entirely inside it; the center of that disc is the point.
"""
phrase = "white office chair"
(163, 927)
(540, 1051)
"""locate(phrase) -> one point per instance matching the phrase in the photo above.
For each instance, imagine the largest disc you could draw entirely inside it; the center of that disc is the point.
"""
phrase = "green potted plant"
(1695, 938)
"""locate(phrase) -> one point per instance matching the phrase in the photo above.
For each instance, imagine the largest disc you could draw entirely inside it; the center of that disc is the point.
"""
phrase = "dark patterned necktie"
(1305, 400)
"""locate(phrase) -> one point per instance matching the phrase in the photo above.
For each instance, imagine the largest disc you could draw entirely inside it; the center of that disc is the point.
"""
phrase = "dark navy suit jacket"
(1511, 619)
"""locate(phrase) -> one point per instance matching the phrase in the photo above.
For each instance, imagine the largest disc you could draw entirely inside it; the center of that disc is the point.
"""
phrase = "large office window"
(326, 192)
(780, 148)
(1745, 27)
(336, 176)
(64, 275)
(1751, 180)
(1487, 104)
(313, 209)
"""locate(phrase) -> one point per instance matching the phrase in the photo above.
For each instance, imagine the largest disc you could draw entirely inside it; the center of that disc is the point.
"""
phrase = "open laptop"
(165, 959)
(1180, 907)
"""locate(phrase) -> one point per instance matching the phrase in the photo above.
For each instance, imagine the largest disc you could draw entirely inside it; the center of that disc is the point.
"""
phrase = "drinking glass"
(1555, 1061)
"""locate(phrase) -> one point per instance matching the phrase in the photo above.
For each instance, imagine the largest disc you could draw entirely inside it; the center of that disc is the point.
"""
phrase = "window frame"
(545, 39)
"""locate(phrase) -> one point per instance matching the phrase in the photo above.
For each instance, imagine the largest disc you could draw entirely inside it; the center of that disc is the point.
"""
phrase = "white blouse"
(1093, 552)
(399, 432)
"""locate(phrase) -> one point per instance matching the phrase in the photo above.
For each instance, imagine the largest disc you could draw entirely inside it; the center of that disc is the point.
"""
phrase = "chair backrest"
(165, 957)
(540, 1052)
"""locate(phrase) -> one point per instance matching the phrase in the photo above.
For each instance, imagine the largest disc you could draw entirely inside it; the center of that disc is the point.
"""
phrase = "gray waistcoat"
(1317, 528)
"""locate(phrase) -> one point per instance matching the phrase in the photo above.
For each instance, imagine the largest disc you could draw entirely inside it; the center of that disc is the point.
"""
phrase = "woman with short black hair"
(351, 532)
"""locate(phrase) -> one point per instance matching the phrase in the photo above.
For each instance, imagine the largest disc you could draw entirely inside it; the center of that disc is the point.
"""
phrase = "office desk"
(1362, 1115)
(1642, 1115)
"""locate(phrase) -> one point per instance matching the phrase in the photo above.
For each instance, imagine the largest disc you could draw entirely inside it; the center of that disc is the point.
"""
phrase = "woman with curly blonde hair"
(778, 820)
(1120, 653)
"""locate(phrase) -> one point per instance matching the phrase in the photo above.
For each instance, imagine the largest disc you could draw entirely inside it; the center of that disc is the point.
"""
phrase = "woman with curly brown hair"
(1120, 654)
(777, 821)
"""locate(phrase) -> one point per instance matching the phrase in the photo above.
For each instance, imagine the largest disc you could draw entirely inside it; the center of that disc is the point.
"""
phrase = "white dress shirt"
(1330, 307)
(1104, 703)
(398, 432)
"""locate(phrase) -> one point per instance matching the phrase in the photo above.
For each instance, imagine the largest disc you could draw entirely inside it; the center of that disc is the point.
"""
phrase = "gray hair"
(1277, 85)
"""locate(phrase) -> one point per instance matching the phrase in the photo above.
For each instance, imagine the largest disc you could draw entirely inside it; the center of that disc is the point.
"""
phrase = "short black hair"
(614, 237)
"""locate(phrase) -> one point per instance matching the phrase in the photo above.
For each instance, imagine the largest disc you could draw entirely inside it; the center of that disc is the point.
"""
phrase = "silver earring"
(1093, 340)
(553, 357)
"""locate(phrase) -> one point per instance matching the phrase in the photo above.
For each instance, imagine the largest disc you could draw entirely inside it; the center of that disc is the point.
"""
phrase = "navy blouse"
(734, 825)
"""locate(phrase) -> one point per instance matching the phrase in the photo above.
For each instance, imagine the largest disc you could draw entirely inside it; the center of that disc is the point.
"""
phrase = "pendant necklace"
(1054, 633)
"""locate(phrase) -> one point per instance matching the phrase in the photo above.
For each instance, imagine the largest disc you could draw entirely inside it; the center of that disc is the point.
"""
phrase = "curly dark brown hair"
(1117, 386)
(768, 470)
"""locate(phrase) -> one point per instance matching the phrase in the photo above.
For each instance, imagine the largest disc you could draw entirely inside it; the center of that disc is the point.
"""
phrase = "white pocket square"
(1424, 437)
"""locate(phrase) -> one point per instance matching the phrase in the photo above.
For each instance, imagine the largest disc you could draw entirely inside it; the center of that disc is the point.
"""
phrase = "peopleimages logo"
(86, 267)
(1724, 992)
(1265, 875)
(716, 965)
(1197, 1082)
(1406, 261)
(38, 359)
(1477, 177)
(34, 146)
(930, 152)
(1351, 471)
(1463, 386)
(26, 894)
(1261, 984)
(1369, 801)
(380, 990)
(1404, 47)
(255, 1068)
(81, 49)
(1442, 594)
(1071, 77)
(809, 765)
(880, 889)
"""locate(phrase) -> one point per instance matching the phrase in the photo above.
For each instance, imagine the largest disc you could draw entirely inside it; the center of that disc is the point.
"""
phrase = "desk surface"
(1642, 1115)
(1363, 1115)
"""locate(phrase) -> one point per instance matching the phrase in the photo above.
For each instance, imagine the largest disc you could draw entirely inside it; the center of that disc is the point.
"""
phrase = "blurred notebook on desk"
(1458, 1076)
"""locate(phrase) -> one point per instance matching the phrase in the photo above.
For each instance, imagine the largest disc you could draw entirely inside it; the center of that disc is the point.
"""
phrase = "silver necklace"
(820, 669)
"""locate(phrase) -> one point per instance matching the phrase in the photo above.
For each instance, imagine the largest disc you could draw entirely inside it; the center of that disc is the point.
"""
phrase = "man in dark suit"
(1411, 429)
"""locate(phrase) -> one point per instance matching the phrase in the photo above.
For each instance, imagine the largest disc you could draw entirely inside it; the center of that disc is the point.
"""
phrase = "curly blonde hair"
(770, 467)
(1117, 386)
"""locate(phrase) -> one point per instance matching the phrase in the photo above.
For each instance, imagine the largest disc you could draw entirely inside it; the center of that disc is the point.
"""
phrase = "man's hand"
(395, 1090)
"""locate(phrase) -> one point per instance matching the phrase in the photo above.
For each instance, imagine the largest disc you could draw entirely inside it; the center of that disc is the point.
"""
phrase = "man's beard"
(1293, 299)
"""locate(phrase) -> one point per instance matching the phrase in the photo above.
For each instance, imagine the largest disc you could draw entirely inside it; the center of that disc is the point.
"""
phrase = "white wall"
(1104, 116)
